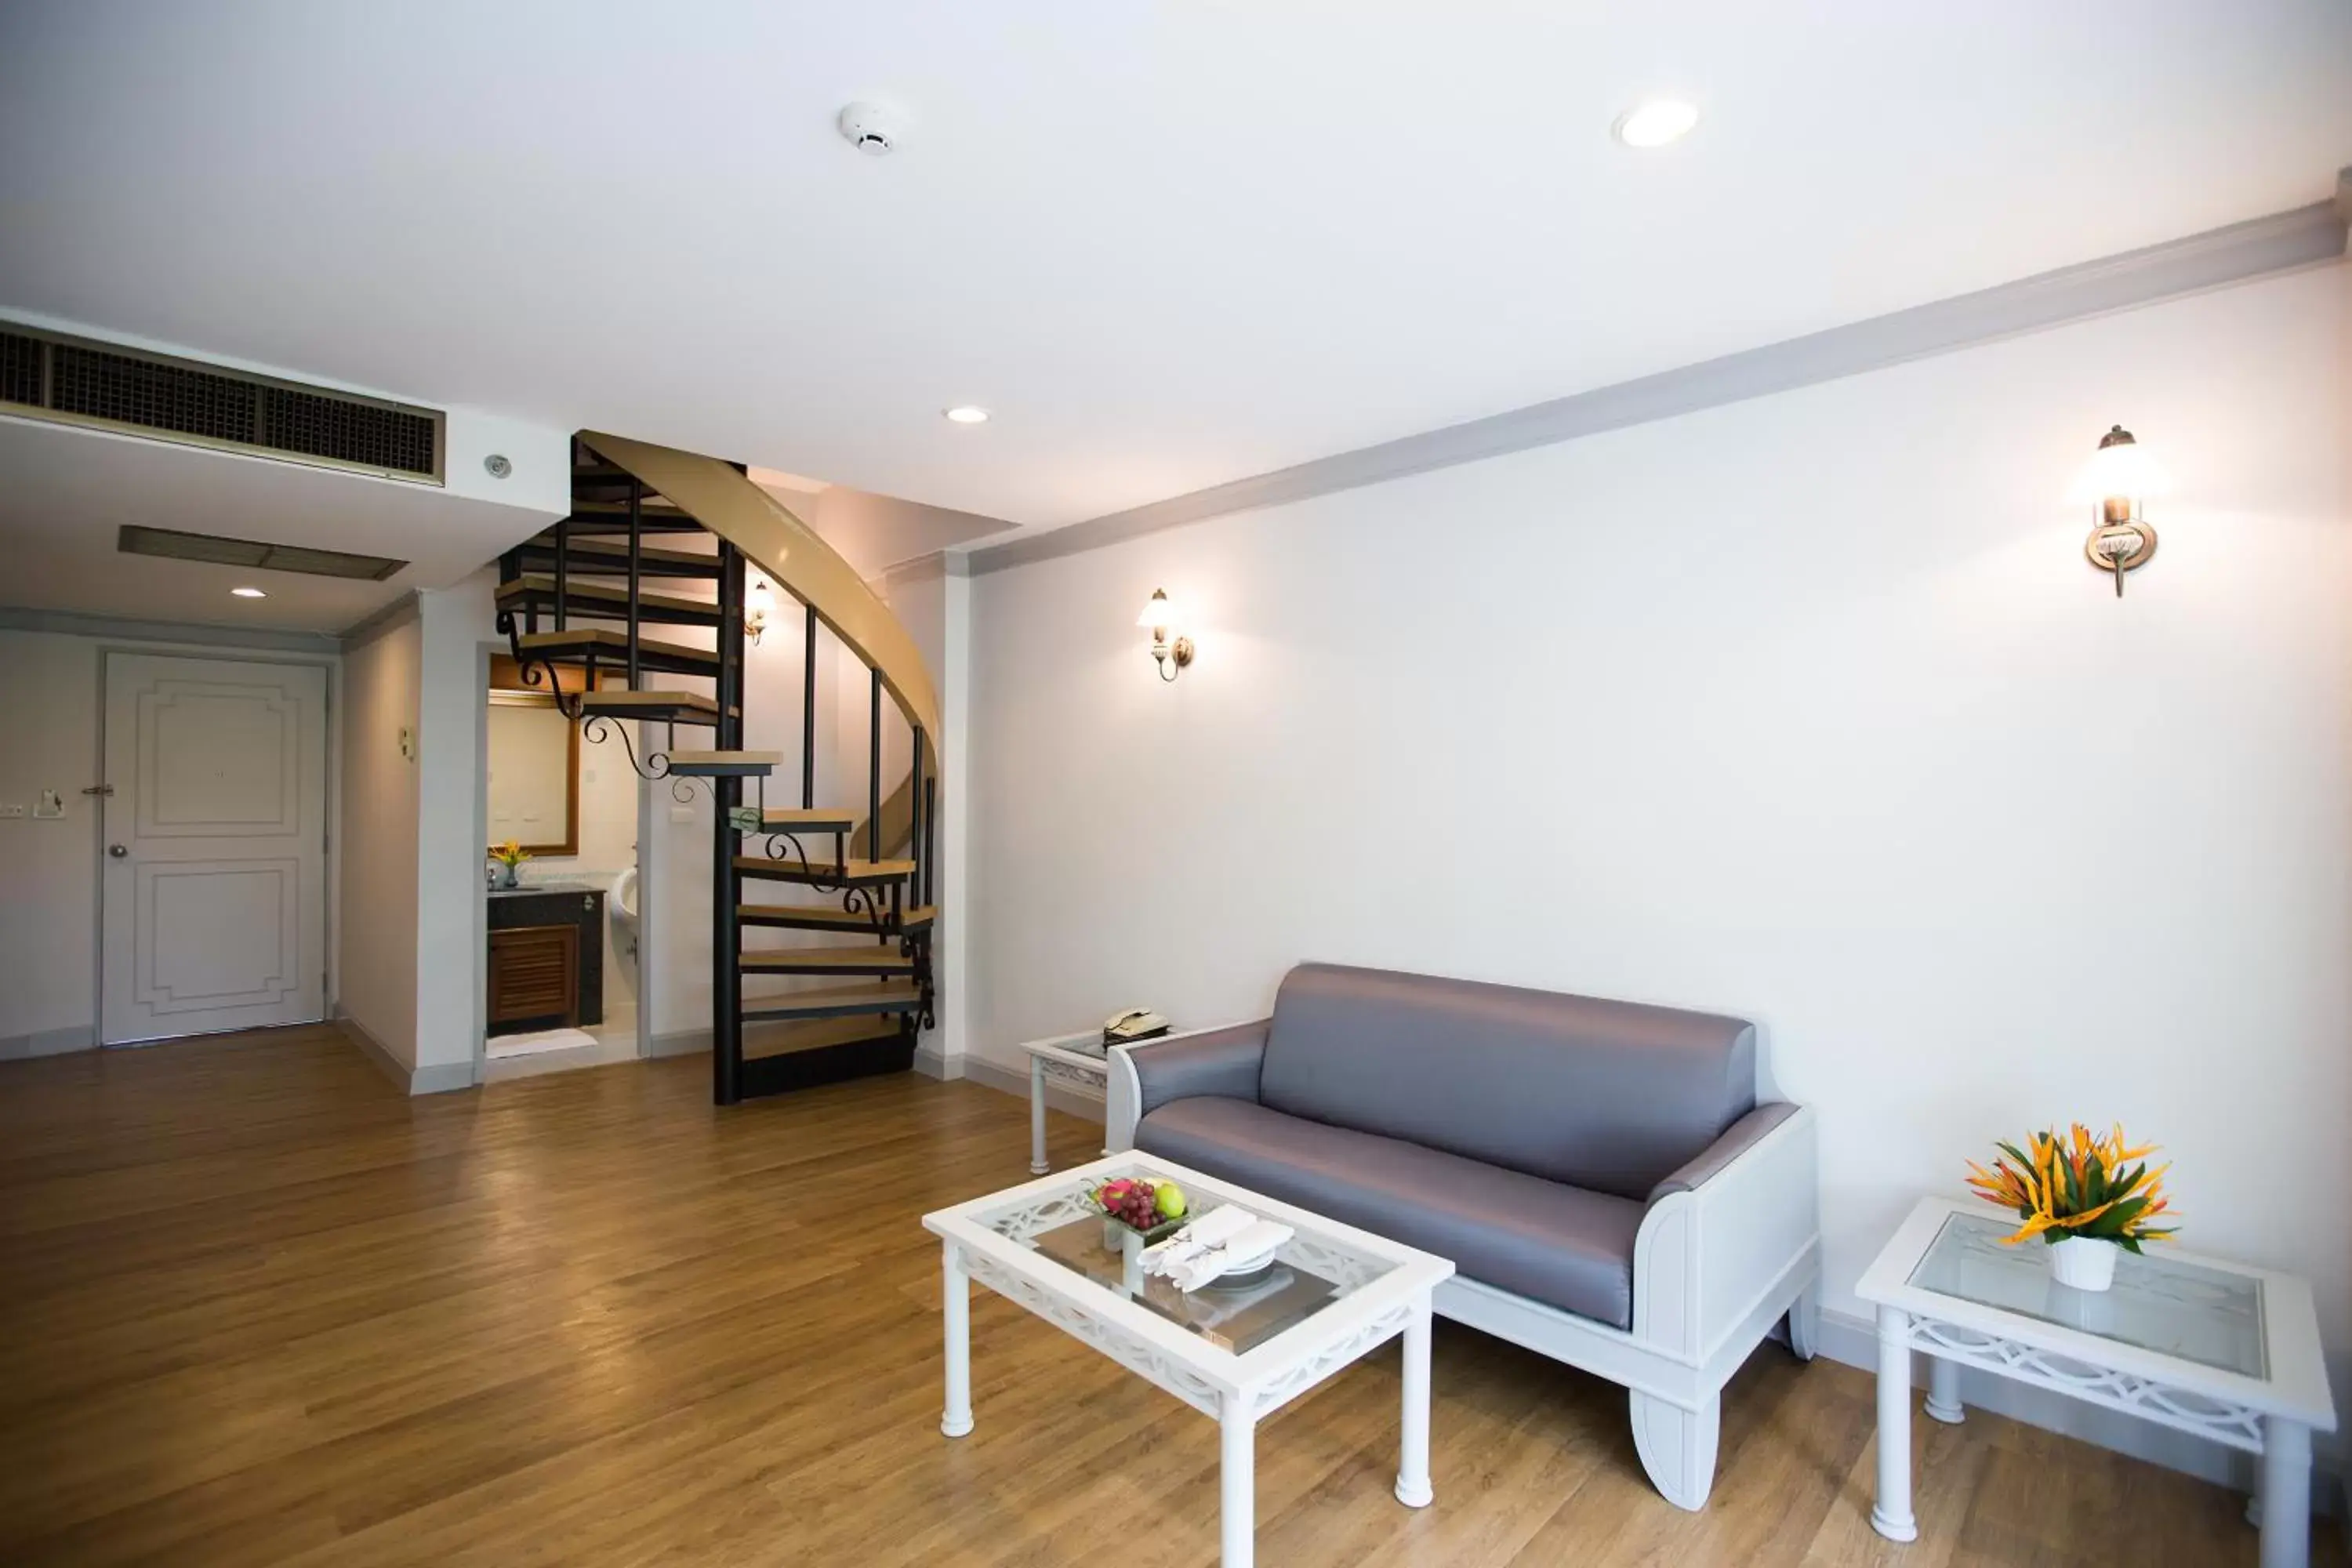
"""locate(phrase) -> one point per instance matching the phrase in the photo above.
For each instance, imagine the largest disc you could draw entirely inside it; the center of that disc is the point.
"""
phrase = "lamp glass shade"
(2123, 470)
(1160, 610)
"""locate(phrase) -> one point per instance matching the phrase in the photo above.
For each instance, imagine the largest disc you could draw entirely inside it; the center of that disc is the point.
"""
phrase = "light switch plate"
(14, 808)
(50, 807)
(681, 813)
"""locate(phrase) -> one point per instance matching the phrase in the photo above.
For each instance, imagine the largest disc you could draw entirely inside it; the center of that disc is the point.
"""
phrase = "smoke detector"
(872, 128)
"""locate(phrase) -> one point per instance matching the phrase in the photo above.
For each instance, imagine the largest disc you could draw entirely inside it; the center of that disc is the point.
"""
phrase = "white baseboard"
(1014, 1081)
(47, 1042)
(933, 1062)
(678, 1042)
(1854, 1341)
(440, 1078)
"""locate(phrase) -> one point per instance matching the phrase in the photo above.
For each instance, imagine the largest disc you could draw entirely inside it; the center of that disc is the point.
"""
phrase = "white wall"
(1807, 710)
(451, 840)
(378, 918)
(51, 719)
(48, 870)
(934, 606)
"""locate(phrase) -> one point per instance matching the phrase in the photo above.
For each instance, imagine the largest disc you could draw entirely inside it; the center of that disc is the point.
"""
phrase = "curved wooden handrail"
(797, 560)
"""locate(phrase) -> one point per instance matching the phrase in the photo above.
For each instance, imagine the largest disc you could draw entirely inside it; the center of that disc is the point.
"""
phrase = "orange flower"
(2079, 1184)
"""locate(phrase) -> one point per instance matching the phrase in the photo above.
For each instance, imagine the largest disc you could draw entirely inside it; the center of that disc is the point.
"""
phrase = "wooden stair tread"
(604, 548)
(813, 818)
(692, 762)
(817, 917)
(616, 594)
(836, 1001)
(823, 960)
(579, 639)
(632, 702)
(652, 509)
(853, 871)
(763, 1041)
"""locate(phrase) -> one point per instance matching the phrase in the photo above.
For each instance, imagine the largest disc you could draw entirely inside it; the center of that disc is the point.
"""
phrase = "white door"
(213, 880)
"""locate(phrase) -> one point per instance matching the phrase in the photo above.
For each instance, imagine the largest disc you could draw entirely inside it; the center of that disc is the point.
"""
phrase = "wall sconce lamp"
(757, 600)
(1159, 614)
(2120, 542)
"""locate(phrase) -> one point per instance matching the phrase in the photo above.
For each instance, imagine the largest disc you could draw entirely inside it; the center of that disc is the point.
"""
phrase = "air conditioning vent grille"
(352, 432)
(152, 396)
(20, 369)
(73, 380)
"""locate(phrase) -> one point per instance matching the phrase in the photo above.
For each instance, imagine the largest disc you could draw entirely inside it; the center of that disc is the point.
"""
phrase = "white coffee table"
(1336, 1294)
(2225, 1352)
(1076, 1060)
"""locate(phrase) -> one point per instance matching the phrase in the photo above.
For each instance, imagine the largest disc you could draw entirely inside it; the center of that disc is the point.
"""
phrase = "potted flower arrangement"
(2088, 1195)
(509, 857)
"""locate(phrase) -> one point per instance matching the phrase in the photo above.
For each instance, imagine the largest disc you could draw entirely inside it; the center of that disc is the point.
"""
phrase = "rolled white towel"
(1211, 1230)
(1253, 1246)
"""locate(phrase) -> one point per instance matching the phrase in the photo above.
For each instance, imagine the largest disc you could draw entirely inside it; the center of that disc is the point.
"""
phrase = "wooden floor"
(256, 1307)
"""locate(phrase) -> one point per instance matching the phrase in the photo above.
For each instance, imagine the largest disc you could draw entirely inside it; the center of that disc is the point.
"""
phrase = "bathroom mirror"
(534, 765)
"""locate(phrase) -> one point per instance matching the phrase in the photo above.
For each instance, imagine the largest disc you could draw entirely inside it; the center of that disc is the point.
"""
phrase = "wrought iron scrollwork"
(600, 729)
(537, 670)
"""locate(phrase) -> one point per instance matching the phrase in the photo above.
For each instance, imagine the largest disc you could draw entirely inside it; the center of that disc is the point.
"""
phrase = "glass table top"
(2204, 1315)
(1310, 1272)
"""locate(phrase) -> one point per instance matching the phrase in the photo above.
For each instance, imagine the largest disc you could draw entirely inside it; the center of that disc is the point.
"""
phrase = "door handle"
(117, 851)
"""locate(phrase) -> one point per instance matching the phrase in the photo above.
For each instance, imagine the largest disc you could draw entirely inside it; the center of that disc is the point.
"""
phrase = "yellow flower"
(2077, 1183)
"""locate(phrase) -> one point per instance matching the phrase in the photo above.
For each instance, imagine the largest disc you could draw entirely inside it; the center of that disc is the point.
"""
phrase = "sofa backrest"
(1609, 1096)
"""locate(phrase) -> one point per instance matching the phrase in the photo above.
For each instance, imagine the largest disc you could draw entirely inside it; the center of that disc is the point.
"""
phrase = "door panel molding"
(215, 914)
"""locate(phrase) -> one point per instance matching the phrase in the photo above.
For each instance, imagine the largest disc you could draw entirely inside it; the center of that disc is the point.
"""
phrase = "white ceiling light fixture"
(248, 592)
(1659, 121)
(965, 414)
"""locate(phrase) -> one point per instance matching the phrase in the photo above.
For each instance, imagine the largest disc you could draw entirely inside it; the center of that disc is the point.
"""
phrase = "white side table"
(2220, 1349)
(1074, 1059)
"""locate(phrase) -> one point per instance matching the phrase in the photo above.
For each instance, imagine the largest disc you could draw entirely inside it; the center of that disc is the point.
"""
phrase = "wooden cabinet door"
(535, 973)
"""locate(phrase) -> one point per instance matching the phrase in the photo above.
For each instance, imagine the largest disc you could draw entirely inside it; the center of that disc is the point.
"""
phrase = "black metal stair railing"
(885, 906)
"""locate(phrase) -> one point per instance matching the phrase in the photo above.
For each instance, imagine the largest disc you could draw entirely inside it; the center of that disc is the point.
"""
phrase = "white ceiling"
(1169, 243)
(68, 492)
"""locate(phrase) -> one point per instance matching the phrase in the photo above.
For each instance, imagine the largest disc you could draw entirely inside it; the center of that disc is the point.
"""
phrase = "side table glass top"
(1310, 1272)
(2204, 1315)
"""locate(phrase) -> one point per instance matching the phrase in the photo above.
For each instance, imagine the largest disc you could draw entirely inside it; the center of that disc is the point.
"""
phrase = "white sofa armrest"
(1719, 1257)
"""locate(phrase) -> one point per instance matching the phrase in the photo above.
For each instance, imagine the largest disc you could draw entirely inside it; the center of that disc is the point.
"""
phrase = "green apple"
(1169, 1199)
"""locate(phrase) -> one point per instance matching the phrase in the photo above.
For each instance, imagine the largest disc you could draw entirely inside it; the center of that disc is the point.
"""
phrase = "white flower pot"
(2082, 1263)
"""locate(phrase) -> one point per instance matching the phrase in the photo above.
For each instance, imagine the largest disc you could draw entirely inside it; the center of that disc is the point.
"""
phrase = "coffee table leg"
(1412, 1467)
(1891, 1517)
(1944, 1391)
(955, 1301)
(2286, 1493)
(1237, 1483)
(1038, 1166)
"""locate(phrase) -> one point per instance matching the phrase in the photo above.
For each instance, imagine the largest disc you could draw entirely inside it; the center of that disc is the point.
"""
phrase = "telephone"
(1138, 1023)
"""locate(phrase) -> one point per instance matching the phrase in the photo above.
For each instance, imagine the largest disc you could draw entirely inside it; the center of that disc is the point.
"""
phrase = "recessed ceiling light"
(248, 592)
(1655, 123)
(965, 414)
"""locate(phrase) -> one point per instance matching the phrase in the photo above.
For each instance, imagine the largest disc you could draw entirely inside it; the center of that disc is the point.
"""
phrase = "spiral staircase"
(820, 941)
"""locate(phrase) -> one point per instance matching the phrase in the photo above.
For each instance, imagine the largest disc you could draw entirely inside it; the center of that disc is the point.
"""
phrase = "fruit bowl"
(1154, 1210)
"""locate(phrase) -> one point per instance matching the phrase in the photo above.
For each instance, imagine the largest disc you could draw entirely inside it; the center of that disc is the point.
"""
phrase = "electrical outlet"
(14, 808)
(408, 743)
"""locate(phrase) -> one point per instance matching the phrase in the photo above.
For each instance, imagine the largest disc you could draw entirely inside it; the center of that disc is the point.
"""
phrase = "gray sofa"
(1601, 1173)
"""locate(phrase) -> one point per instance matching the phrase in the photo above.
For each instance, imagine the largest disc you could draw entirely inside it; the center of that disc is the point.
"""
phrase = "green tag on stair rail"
(743, 818)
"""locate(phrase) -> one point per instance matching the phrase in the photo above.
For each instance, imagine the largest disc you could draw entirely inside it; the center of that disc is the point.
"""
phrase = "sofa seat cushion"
(1563, 1245)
